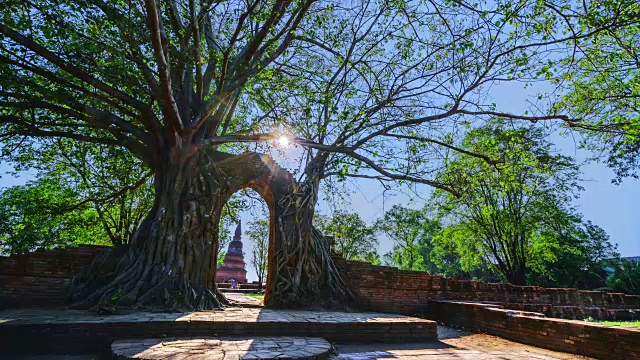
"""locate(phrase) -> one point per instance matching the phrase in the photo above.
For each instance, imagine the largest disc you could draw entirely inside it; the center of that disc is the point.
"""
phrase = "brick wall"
(383, 288)
(573, 336)
(42, 278)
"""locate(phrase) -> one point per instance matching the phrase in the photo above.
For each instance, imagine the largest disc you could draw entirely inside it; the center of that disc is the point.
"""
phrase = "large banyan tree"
(372, 89)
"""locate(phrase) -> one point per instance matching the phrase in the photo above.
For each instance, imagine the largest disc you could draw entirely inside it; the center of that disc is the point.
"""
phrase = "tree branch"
(169, 106)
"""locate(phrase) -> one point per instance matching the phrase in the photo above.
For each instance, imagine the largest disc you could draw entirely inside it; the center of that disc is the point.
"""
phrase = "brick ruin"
(42, 279)
(387, 289)
(573, 336)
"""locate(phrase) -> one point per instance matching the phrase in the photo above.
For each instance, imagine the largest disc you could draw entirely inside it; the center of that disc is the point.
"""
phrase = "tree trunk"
(517, 277)
(171, 261)
(304, 272)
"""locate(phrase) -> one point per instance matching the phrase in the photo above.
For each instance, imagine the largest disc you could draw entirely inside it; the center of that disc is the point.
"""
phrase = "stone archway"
(299, 265)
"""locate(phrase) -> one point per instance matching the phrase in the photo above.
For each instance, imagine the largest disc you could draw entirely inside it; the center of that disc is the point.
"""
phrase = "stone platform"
(259, 348)
(75, 331)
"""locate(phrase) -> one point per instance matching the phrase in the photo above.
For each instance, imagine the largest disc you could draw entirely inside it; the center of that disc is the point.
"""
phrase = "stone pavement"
(264, 348)
(232, 314)
(82, 331)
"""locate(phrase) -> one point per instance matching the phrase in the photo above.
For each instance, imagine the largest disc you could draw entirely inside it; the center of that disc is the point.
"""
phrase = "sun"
(284, 141)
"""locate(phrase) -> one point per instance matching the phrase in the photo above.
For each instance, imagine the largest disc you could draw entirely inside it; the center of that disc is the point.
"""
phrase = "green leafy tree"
(506, 207)
(353, 238)
(394, 86)
(452, 257)
(578, 255)
(35, 216)
(259, 234)
(161, 79)
(625, 276)
(108, 179)
(411, 232)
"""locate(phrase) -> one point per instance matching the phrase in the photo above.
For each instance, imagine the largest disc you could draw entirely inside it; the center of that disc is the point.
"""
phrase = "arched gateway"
(171, 261)
(299, 266)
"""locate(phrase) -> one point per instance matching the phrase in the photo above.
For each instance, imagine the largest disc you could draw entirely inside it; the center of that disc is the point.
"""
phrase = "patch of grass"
(619, 323)
(259, 296)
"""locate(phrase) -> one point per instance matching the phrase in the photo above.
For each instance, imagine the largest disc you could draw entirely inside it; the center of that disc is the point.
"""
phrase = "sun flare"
(284, 141)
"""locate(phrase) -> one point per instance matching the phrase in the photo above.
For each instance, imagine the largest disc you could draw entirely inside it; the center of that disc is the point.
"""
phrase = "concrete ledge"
(60, 331)
(573, 336)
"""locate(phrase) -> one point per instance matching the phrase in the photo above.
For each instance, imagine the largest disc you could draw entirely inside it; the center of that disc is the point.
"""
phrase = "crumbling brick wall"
(572, 336)
(42, 278)
(387, 289)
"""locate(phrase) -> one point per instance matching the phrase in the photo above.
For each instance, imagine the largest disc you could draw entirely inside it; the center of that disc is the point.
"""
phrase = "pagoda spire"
(238, 234)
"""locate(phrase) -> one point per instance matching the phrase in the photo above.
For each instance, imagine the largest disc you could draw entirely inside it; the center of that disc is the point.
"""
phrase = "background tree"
(577, 258)
(107, 179)
(453, 258)
(625, 276)
(411, 232)
(505, 208)
(353, 238)
(32, 218)
(259, 233)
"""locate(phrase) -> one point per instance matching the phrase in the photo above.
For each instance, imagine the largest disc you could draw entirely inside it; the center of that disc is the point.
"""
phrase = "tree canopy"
(603, 87)
(31, 218)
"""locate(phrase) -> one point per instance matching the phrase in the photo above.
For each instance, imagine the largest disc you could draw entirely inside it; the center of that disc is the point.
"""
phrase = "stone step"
(76, 331)
(240, 291)
(227, 348)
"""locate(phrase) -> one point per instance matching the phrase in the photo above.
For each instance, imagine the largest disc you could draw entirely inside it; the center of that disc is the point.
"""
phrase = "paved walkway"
(232, 314)
(264, 348)
(60, 330)
(441, 354)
